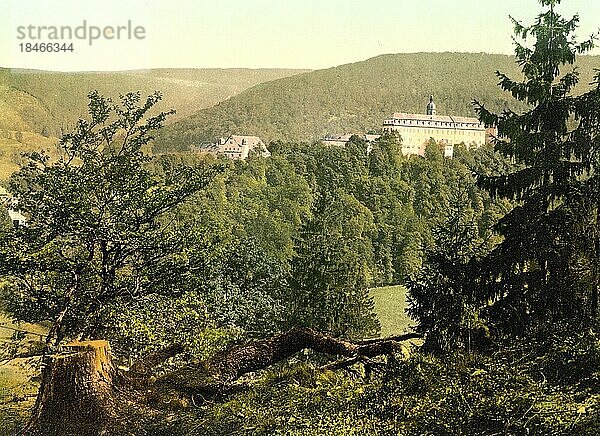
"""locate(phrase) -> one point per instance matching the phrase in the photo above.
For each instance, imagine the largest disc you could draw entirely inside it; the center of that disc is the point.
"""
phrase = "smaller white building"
(17, 218)
(240, 146)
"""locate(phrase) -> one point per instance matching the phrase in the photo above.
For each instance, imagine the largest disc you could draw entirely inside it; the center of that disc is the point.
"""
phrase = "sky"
(310, 34)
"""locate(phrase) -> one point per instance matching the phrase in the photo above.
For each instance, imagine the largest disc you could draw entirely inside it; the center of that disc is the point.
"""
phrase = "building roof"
(371, 137)
(346, 137)
(442, 118)
(250, 140)
(334, 137)
(431, 119)
(434, 121)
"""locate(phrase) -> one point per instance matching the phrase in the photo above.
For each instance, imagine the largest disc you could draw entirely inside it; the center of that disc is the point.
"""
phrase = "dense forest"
(235, 294)
(264, 235)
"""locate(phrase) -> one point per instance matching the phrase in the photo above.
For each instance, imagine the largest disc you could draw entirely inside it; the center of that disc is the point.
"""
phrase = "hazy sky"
(269, 33)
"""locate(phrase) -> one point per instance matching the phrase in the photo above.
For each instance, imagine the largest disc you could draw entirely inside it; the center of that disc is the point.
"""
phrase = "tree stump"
(76, 394)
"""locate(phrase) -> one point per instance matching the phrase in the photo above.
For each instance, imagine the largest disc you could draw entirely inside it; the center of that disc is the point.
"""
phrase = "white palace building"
(417, 129)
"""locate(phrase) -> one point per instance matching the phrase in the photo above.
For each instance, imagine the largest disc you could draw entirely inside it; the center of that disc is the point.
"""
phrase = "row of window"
(432, 123)
(410, 130)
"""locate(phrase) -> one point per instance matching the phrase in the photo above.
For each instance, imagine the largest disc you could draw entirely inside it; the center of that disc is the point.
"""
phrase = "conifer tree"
(545, 270)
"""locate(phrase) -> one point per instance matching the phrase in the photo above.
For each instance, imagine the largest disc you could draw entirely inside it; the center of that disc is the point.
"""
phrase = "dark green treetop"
(543, 270)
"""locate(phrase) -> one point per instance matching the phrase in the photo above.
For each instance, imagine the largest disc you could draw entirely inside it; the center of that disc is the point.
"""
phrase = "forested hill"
(36, 105)
(42, 102)
(355, 97)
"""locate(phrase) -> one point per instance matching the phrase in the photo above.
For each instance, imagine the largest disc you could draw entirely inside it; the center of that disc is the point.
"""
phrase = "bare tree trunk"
(76, 393)
(596, 284)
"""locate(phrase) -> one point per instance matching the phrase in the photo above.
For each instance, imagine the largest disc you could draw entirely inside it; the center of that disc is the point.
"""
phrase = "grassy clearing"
(17, 393)
(18, 377)
(390, 306)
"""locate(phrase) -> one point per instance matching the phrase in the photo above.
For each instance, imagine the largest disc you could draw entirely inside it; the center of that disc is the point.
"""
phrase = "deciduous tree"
(96, 229)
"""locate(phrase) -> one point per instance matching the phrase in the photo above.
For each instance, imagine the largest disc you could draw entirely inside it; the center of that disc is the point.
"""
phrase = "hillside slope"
(45, 101)
(354, 97)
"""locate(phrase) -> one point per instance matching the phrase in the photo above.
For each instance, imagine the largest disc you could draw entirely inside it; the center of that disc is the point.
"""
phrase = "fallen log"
(211, 376)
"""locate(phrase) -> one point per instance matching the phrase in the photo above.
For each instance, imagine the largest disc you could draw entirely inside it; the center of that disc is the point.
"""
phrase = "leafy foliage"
(444, 298)
(5, 221)
(503, 393)
(95, 229)
(331, 270)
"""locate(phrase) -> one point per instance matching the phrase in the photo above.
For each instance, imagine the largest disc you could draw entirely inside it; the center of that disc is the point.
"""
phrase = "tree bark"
(76, 394)
(596, 284)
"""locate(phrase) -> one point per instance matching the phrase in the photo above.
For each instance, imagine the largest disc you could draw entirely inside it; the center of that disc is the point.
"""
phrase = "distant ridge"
(44, 101)
(355, 97)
